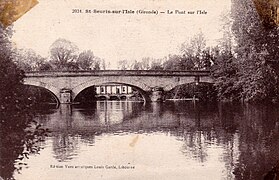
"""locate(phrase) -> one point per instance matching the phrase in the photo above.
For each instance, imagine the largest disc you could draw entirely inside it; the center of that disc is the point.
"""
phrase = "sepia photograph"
(139, 89)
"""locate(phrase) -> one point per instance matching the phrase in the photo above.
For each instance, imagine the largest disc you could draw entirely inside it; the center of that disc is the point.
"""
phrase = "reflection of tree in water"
(65, 146)
(195, 146)
(246, 137)
(203, 127)
(88, 138)
(258, 146)
(19, 138)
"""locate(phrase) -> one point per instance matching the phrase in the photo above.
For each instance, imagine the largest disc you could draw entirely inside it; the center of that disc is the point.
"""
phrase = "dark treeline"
(247, 71)
(11, 75)
(19, 135)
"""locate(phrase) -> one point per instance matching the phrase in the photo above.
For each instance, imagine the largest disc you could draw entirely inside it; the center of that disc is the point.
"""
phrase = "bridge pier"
(157, 94)
(65, 96)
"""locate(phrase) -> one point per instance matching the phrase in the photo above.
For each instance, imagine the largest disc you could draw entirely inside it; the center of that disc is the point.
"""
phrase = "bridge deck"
(116, 73)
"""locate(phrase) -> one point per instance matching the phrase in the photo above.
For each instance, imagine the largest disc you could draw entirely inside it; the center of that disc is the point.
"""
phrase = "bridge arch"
(184, 81)
(125, 80)
(173, 86)
(53, 90)
(202, 90)
(78, 89)
(122, 97)
(103, 98)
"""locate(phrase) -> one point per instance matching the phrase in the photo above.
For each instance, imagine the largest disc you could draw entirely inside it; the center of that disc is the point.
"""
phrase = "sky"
(115, 37)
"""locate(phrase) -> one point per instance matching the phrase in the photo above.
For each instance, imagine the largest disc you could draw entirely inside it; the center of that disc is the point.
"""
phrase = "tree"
(28, 60)
(173, 62)
(98, 63)
(136, 65)
(122, 65)
(156, 64)
(195, 54)
(257, 45)
(196, 44)
(10, 75)
(46, 66)
(246, 71)
(85, 60)
(225, 67)
(145, 63)
(64, 55)
(225, 74)
(104, 65)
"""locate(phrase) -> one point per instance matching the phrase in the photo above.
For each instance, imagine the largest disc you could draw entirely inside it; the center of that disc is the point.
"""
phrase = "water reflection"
(163, 140)
(20, 137)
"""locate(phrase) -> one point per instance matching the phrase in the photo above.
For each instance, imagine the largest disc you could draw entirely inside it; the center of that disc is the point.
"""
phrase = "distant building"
(114, 92)
(113, 89)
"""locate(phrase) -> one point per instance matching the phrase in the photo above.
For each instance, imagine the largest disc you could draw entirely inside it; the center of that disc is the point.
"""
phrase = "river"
(133, 140)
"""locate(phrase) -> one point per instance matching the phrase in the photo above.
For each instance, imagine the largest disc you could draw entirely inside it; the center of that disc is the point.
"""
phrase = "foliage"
(225, 74)
(122, 65)
(10, 75)
(257, 45)
(136, 65)
(173, 63)
(195, 53)
(28, 60)
(146, 63)
(19, 138)
(87, 61)
(16, 143)
(247, 71)
(45, 66)
(64, 54)
(156, 64)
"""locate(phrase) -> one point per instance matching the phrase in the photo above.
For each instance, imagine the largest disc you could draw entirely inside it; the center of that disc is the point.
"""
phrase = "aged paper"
(120, 136)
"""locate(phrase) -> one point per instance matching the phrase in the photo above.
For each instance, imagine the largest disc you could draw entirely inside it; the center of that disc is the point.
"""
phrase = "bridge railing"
(118, 73)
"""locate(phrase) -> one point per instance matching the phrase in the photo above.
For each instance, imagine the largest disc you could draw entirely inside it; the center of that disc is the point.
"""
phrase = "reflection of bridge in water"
(106, 116)
(187, 134)
(183, 120)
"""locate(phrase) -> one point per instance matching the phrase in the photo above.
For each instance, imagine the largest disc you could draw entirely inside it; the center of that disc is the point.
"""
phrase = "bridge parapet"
(116, 73)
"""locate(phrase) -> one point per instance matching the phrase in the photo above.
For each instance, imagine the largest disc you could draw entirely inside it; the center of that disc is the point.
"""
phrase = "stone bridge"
(151, 84)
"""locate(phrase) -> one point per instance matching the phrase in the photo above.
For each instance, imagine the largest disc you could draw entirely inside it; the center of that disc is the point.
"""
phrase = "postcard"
(127, 89)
